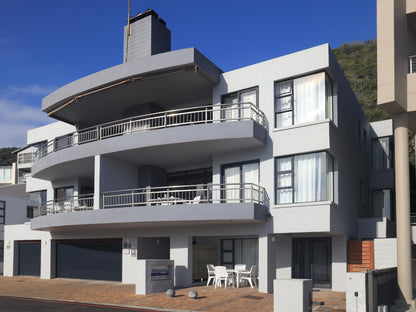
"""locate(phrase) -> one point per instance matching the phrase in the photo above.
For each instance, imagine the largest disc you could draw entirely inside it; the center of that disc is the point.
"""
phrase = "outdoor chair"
(240, 267)
(221, 274)
(249, 276)
(211, 273)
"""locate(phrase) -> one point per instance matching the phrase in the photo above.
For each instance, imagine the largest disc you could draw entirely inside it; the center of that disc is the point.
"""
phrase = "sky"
(45, 44)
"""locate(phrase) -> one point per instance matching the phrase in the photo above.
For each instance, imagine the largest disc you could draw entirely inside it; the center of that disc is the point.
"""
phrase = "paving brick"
(209, 299)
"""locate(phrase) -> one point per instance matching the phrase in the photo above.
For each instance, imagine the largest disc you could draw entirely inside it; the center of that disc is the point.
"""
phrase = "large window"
(383, 204)
(64, 193)
(304, 178)
(239, 251)
(382, 153)
(303, 100)
(2, 212)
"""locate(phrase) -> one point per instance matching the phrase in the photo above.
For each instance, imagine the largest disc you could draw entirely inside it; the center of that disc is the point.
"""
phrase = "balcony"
(178, 137)
(167, 119)
(169, 205)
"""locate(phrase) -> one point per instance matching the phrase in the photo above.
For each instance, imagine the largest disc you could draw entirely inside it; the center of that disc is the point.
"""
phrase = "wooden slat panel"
(360, 256)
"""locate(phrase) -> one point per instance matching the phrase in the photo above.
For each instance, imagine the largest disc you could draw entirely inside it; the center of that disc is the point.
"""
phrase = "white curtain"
(310, 177)
(251, 175)
(246, 252)
(245, 98)
(231, 109)
(309, 98)
(232, 184)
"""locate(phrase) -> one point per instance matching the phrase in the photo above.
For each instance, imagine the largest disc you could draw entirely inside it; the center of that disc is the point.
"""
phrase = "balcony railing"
(152, 196)
(25, 158)
(74, 203)
(171, 118)
(412, 64)
(185, 194)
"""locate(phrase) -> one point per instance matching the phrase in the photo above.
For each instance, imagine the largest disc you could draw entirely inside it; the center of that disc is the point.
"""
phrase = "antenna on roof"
(128, 31)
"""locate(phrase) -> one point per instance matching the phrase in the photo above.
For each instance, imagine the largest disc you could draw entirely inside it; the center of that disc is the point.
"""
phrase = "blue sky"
(45, 44)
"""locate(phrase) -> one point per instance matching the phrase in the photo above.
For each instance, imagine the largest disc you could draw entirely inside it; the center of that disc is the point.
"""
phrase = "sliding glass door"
(237, 179)
(239, 251)
(312, 260)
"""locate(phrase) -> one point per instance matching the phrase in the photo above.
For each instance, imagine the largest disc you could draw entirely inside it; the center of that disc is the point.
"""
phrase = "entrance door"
(312, 260)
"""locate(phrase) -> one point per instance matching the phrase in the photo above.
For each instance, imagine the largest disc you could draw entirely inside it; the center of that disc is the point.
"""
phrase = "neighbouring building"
(396, 93)
(273, 165)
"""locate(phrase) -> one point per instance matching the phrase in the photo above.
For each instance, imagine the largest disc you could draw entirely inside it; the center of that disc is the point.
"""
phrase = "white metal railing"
(185, 194)
(171, 118)
(25, 158)
(74, 203)
(413, 218)
(412, 64)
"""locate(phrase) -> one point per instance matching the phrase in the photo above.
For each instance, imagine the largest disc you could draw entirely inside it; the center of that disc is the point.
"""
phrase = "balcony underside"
(179, 146)
(152, 216)
(166, 80)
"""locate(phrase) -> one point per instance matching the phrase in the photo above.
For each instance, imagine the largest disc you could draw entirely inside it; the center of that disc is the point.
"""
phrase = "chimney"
(148, 36)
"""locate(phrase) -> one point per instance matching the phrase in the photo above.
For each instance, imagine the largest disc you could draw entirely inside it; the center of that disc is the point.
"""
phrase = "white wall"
(385, 253)
(15, 211)
(49, 132)
(339, 262)
(14, 233)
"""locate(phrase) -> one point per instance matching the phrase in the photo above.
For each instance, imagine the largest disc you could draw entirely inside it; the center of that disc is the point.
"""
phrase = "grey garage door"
(29, 258)
(99, 259)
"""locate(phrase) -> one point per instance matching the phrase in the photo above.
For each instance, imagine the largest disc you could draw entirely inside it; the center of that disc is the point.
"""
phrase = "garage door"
(89, 259)
(29, 258)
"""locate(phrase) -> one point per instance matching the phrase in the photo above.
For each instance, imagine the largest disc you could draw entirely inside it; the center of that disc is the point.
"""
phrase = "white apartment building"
(165, 156)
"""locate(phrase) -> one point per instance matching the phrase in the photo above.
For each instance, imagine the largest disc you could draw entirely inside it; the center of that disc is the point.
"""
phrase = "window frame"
(2, 202)
(238, 93)
(55, 191)
(330, 195)
(392, 203)
(329, 112)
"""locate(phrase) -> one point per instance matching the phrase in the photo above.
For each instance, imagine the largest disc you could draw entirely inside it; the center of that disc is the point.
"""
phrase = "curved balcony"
(167, 119)
(159, 137)
(169, 205)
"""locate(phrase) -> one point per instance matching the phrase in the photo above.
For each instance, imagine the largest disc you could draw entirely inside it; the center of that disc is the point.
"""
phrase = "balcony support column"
(181, 253)
(267, 267)
(97, 182)
(47, 263)
(404, 262)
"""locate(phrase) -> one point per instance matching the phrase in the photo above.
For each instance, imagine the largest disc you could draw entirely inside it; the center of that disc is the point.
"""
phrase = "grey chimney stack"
(148, 36)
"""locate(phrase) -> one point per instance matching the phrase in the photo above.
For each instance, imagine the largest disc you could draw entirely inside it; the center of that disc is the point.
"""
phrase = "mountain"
(358, 60)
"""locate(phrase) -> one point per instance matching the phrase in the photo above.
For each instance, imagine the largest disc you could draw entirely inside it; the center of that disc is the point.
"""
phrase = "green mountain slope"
(358, 60)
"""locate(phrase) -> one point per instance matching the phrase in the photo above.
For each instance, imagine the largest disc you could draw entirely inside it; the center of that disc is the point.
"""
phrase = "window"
(236, 177)
(2, 212)
(303, 100)
(382, 153)
(29, 212)
(38, 198)
(239, 251)
(382, 204)
(64, 193)
(63, 142)
(303, 178)
(236, 104)
(190, 177)
(6, 173)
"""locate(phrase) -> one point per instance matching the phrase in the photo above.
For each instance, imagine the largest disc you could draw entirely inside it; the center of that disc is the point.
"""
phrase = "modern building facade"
(396, 89)
(273, 165)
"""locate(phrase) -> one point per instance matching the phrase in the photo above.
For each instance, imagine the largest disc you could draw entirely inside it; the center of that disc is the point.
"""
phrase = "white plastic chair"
(221, 274)
(249, 276)
(211, 273)
(196, 200)
(240, 267)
